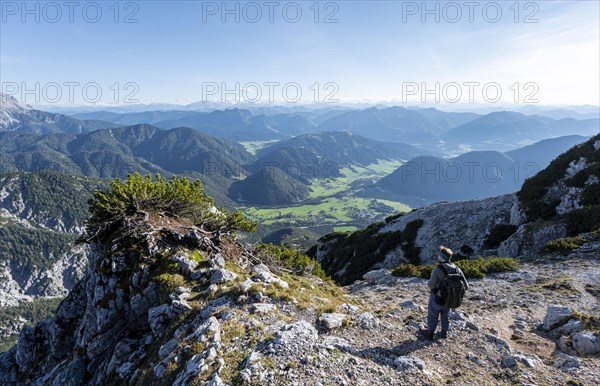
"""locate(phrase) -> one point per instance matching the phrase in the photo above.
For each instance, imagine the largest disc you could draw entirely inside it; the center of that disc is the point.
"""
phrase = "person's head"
(444, 253)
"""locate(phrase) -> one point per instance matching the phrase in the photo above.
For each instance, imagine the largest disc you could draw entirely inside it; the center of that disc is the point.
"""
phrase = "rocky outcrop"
(531, 238)
(453, 224)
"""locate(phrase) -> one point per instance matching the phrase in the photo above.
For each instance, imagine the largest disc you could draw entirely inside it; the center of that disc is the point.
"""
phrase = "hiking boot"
(426, 334)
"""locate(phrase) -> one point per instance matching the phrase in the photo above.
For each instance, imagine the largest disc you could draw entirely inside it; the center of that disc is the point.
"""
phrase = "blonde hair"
(446, 251)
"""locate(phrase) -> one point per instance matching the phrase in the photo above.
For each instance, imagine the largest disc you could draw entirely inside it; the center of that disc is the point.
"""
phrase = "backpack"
(452, 288)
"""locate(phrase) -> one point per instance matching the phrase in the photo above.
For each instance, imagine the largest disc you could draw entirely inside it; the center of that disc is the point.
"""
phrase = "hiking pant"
(433, 314)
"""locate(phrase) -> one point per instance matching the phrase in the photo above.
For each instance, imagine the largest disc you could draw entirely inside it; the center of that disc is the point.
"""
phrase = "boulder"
(571, 327)
(186, 265)
(586, 343)
(222, 276)
(556, 315)
(565, 362)
(329, 321)
(379, 276)
(367, 321)
(509, 361)
(408, 363)
(295, 337)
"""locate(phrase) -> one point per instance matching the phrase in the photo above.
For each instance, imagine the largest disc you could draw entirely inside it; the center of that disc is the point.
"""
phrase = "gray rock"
(160, 369)
(263, 273)
(565, 345)
(222, 276)
(410, 305)
(527, 361)
(159, 316)
(349, 308)
(246, 285)
(565, 362)
(555, 316)
(180, 306)
(329, 321)
(456, 315)
(367, 321)
(500, 343)
(473, 358)
(217, 261)
(531, 238)
(472, 326)
(332, 342)
(215, 381)
(380, 277)
(586, 343)
(193, 368)
(509, 361)
(263, 308)
(408, 363)
(571, 327)
(295, 337)
(167, 348)
(186, 265)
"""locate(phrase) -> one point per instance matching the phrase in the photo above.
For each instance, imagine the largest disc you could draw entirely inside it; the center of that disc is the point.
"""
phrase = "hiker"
(447, 286)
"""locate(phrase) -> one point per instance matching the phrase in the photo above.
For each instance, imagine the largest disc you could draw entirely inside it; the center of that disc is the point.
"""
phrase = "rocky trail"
(496, 336)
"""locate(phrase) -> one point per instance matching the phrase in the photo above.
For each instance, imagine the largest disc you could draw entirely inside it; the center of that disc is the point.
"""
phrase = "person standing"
(447, 286)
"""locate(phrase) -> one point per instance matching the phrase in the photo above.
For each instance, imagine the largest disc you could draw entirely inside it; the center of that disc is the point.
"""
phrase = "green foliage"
(565, 244)
(582, 220)
(590, 322)
(289, 259)
(498, 234)
(473, 269)
(33, 312)
(411, 270)
(357, 252)
(178, 197)
(393, 217)
(169, 281)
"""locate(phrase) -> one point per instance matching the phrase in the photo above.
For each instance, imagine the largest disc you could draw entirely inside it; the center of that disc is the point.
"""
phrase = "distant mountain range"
(310, 144)
(434, 131)
(476, 174)
(507, 130)
(18, 117)
(111, 153)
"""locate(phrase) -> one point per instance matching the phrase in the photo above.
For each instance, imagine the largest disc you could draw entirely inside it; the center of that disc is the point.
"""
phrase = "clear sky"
(379, 51)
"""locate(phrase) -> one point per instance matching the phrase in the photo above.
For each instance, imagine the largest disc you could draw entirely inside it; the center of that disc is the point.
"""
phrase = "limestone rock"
(379, 277)
(222, 276)
(408, 363)
(295, 337)
(263, 308)
(565, 362)
(586, 343)
(555, 316)
(329, 321)
(530, 239)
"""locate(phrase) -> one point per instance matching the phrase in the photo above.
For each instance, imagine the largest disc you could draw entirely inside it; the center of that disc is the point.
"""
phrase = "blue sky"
(377, 51)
